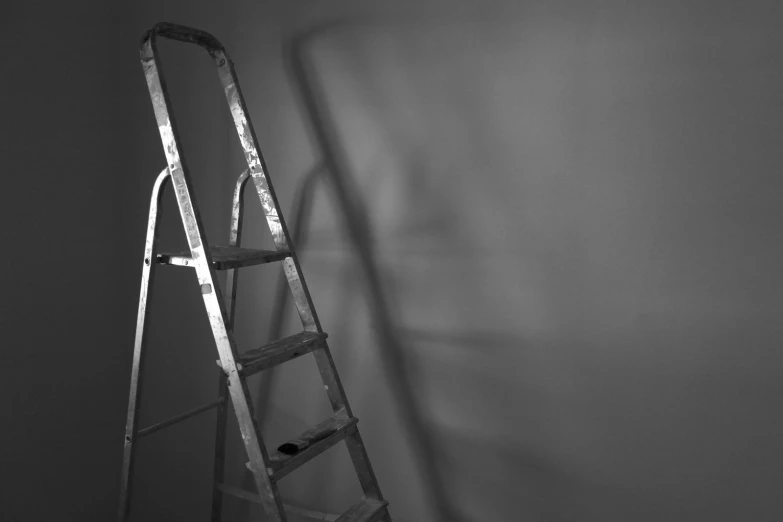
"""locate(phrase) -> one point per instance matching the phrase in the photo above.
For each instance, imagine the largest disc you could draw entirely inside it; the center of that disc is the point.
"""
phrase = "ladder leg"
(232, 278)
(148, 270)
(339, 400)
(293, 272)
(302, 202)
(220, 451)
(326, 367)
(256, 452)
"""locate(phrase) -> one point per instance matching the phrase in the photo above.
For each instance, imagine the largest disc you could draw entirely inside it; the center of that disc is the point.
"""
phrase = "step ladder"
(267, 467)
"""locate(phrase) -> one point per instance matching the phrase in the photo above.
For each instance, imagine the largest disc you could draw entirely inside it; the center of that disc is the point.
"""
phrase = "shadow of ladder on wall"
(267, 467)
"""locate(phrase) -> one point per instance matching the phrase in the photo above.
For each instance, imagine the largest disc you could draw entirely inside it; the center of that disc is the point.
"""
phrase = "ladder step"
(280, 351)
(225, 257)
(309, 445)
(367, 510)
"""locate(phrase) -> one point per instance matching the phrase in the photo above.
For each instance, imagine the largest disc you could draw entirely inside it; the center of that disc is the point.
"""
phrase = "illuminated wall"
(574, 210)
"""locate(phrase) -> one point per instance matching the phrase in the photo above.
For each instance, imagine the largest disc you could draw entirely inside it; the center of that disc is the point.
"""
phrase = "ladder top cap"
(183, 34)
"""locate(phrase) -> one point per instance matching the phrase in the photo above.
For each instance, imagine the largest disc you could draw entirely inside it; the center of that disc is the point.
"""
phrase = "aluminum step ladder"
(267, 467)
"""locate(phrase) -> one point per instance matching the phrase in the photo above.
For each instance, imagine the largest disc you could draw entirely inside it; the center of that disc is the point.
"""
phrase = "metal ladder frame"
(206, 261)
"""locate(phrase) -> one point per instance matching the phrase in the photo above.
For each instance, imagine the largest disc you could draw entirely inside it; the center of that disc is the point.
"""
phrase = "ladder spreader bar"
(178, 418)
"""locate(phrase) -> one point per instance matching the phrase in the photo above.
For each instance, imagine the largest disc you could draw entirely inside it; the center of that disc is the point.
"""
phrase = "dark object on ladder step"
(278, 352)
(225, 257)
(294, 446)
(310, 444)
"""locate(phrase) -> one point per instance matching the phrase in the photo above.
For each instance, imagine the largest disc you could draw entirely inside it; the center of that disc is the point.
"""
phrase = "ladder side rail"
(266, 193)
(148, 272)
(235, 240)
(205, 273)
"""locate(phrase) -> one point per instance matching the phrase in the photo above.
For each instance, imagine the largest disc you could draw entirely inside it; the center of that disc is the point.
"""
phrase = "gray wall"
(575, 207)
(576, 210)
(80, 151)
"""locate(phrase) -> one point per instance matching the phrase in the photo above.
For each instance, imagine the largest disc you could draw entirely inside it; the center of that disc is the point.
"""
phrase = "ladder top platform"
(225, 257)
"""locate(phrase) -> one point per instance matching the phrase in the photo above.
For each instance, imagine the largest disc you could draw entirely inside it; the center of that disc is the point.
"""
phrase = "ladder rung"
(225, 257)
(279, 352)
(309, 445)
(366, 510)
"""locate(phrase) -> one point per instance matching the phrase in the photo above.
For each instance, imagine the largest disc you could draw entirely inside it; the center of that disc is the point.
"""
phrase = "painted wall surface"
(80, 152)
(576, 211)
(574, 208)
